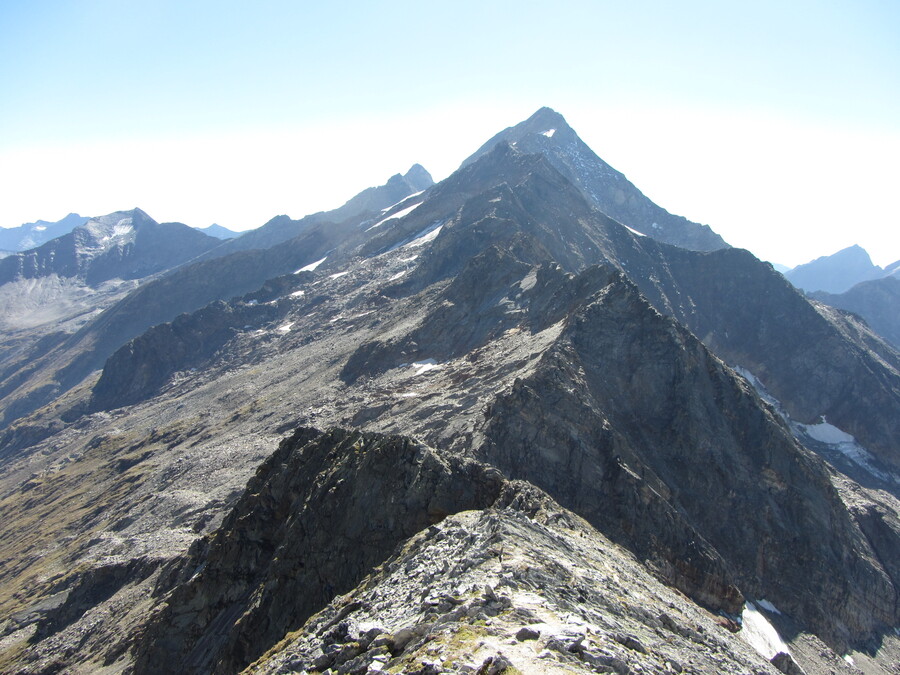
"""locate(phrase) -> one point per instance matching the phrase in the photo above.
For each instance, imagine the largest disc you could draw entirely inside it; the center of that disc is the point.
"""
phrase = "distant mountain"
(367, 204)
(124, 244)
(781, 268)
(219, 232)
(32, 235)
(877, 301)
(548, 133)
(835, 273)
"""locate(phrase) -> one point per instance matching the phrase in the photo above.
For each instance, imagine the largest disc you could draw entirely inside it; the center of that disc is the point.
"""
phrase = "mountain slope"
(547, 132)
(877, 301)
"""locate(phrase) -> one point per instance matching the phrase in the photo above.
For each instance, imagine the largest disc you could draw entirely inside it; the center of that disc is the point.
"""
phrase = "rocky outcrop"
(751, 317)
(138, 369)
(318, 516)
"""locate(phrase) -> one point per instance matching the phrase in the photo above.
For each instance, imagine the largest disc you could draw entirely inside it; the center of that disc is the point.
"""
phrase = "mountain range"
(520, 420)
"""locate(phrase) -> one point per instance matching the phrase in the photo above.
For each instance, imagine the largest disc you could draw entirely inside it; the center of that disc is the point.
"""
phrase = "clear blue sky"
(778, 124)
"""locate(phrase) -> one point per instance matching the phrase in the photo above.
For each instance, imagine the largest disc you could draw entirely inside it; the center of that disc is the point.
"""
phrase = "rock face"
(835, 273)
(537, 456)
(876, 301)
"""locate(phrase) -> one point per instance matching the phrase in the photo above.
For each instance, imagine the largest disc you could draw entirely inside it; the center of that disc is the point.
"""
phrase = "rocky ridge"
(479, 324)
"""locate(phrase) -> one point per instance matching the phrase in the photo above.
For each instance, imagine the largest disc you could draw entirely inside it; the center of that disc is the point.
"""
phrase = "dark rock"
(495, 665)
(786, 664)
(526, 633)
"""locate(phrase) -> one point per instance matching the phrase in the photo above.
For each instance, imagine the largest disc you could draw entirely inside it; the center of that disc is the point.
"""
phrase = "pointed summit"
(418, 177)
(547, 132)
(546, 122)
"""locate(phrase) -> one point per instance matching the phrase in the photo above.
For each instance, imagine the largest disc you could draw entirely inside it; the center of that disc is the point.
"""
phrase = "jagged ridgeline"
(521, 420)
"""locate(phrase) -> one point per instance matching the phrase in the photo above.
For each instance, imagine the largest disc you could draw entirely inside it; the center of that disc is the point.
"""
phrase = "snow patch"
(768, 606)
(122, 228)
(312, 266)
(425, 366)
(405, 199)
(849, 659)
(427, 235)
(285, 327)
(634, 231)
(409, 260)
(828, 433)
(297, 294)
(549, 133)
(760, 634)
(823, 432)
(338, 275)
(397, 276)
(40, 228)
(529, 280)
(399, 214)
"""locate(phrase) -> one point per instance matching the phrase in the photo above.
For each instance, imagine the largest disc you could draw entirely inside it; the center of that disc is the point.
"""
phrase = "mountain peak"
(544, 120)
(418, 177)
(547, 133)
(837, 272)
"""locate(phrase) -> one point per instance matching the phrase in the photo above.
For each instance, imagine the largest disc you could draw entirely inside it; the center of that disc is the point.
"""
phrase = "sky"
(777, 124)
